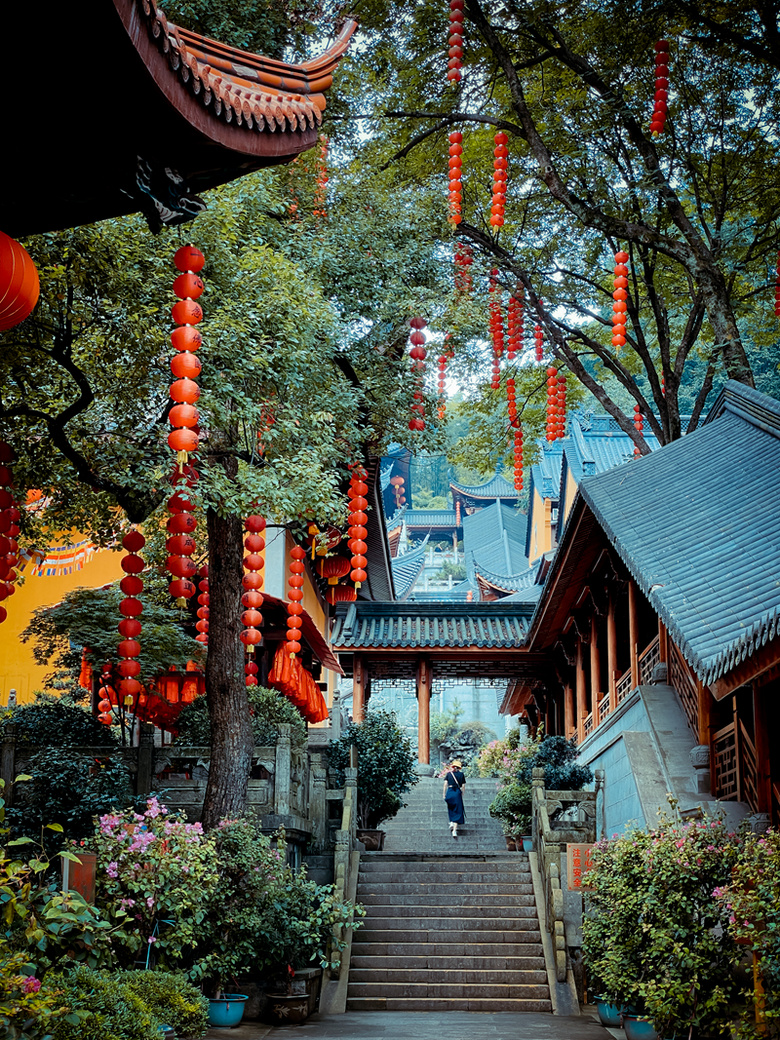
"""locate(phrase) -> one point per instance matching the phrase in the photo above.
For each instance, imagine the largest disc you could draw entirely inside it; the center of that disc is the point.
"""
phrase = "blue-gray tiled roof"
(698, 525)
(431, 625)
(408, 568)
(495, 536)
(430, 518)
(496, 487)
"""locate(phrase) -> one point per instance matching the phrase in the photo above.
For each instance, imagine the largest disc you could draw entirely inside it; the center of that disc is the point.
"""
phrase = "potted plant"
(385, 770)
(512, 807)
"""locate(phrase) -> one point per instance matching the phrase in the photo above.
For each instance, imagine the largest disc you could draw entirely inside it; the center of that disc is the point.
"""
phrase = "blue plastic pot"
(638, 1028)
(608, 1013)
(227, 1010)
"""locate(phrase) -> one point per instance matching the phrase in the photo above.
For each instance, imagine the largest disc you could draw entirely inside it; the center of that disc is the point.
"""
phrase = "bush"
(27, 1012)
(268, 709)
(49, 724)
(172, 999)
(69, 788)
(385, 765)
(101, 1008)
(512, 806)
(558, 757)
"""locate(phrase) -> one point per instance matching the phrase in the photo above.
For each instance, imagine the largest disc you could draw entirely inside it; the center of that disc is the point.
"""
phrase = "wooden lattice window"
(725, 771)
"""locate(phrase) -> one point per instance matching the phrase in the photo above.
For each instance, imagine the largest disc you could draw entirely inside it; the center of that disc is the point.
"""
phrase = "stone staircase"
(450, 925)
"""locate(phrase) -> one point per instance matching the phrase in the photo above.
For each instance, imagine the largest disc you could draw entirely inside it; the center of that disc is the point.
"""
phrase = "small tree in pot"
(385, 766)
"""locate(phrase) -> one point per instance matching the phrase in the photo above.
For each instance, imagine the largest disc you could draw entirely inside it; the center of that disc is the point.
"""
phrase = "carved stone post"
(318, 803)
(537, 790)
(282, 772)
(350, 793)
(7, 761)
(143, 778)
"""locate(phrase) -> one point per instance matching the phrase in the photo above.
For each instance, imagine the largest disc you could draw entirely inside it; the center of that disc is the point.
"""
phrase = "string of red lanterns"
(538, 344)
(777, 287)
(253, 582)
(456, 174)
(295, 595)
(180, 543)
(9, 527)
(398, 491)
(131, 608)
(552, 402)
(518, 449)
(561, 406)
(514, 327)
(418, 354)
(320, 192)
(496, 326)
(660, 107)
(455, 42)
(639, 425)
(464, 258)
(441, 386)
(358, 518)
(106, 693)
(202, 624)
(500, 164)
(619, 297)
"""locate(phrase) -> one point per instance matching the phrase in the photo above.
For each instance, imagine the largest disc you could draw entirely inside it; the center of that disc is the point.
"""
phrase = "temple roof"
(431, 518)
(496, 487)
(408, 568)
(523, 587)
(596, 443)
(149, 114)
(495, 536)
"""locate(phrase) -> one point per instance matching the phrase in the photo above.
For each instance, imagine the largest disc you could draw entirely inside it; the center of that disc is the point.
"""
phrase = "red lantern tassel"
(9, 527)
(358, 518)
(660, 105)
(455, 43)
(253, 582)
(295, 595)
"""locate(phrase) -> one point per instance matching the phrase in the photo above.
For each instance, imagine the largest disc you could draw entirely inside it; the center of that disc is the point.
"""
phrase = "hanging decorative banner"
(560, 430)
(185, 366)
(456, 172)
(619, 297)
(320, 193)
(253, 582)
(202, 624)
(639, 425)
(358, 503)
(295, 595)
(496, 328)
(660, 107)
(455, 42)
(9, 528)
(131, 609)
(500, 164)
(418, 354)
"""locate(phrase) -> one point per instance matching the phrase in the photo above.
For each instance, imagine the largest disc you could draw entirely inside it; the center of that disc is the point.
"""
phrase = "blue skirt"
(454, 799)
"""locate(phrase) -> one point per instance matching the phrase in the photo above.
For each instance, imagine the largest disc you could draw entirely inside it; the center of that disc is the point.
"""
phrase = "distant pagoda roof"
(431, 518)
(155, 114)
(408, 568)
(496, 487)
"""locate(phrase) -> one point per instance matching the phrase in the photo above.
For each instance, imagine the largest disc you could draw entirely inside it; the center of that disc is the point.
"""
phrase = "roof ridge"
(750, 404)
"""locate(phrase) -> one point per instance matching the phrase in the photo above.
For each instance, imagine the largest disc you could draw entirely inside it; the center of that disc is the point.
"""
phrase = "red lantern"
(332, 568)
(455, 43)
(203, 605)
(456, 173)
(619, 296)
(660, 106)
(254, 563)
(295, 582)
(131, 608)
(639, 425)
(496, 328)
(185, 366)
(418, 354)
(777, 288)
(340, 594)
(463, 258)
(19, 284)
(500, 164)
(358, 490)
(514, 325)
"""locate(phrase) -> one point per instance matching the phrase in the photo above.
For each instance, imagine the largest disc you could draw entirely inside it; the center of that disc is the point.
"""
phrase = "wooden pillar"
(761, 726)
(612, 652)
(663, 644)
(424, 712)
(582, 708)
(704, 710)
(358, 689)
(569, 723)
(633, 632)
(595, 668)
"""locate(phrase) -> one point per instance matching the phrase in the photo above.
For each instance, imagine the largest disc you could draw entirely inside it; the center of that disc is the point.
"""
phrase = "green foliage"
(268, 708)
(172, 999)
(512, 806)
(505, 758)
(455, 570)
(654, 936)
(385, 765)
(558, 757)
(27, 1012)
(102, 1007)
(51, 724)
(445, 724)
(69, 788)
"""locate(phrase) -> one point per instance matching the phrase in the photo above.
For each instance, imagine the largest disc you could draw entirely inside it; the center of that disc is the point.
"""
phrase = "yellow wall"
(18, 670)
(570, 492)
(540, 523)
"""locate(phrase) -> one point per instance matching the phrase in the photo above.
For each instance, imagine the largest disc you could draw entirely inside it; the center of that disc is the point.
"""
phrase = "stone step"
(411, 896)
(464, 1003)
(484, 977)
(437, 990)
(456, 879)
(444, 948)
(451, 932)
(428, 912)
(432, 863)
(469, 962)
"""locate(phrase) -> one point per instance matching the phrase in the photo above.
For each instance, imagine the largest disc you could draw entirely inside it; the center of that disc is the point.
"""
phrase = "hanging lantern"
(202, 624)
(340, 594)
(455, 42)
(185, 366)
(539, 342)
(639, 425)
(253, 582)
(320, 192)
(358, 503)
(660, 107)
(442, 384)
(9, 528)
(500, 164)
(456, 172)
(131, 608)
(561, 403)
(106, 693)
(398, 490)
(295, 594)
(19, 284)
(496, 328)
(332, 568)
(464, 258)
(619, 297)
(181, 545)
(552, 402)
(418, 354)
(514, 325)
(518, 451)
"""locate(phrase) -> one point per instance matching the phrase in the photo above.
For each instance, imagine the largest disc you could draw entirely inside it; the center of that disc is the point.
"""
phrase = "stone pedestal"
(700, 760)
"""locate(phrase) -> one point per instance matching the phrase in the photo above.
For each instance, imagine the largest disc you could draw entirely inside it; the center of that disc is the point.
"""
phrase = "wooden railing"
(587, 725)
(683, 680)
(748, 768)
(725, 767)
(623, 687)
(648, 659)
(603, 708)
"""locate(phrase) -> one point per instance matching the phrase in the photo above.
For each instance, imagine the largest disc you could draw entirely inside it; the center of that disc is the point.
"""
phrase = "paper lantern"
(185, 366)
(619, 296)
(455, 43)
(463, 259)
(358, 503)
(661, 97)
(496, 328)
(295, 582)
(456, 173)
(500, 165)
(418, 353)
(9, 527)
(253, 581)
(19, 284)
(639, 426)
(203, 606)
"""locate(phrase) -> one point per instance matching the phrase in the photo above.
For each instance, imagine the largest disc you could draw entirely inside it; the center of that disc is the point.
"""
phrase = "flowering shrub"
(654, 936)
(159, 870)
(26, 1013)
(505, 758)
(752, 900)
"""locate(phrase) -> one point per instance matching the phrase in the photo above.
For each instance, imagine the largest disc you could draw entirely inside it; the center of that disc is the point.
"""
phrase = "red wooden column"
(595, 669)
(663, 644)
(612, 651)
(633, 632)
(761, 727)
(358, 689)
(582, 705)
(569, 724)
(424, 712)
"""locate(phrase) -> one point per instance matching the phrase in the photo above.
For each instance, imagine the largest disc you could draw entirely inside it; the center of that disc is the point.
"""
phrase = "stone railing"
(558, 818)
(345, 845)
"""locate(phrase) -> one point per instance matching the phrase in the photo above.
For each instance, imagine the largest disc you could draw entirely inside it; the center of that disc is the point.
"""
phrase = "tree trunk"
(231, 726)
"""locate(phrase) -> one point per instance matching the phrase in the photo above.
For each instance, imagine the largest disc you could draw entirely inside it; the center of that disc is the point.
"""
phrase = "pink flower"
(152, 939)
(112, 869)
(31, 984)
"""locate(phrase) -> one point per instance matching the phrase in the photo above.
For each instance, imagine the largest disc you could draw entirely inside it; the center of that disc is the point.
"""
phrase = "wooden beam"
(358, 689)
(612, 650)
(760, 662)
(582, 708)
(663, 643)
(633, 632)
(424, 712)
